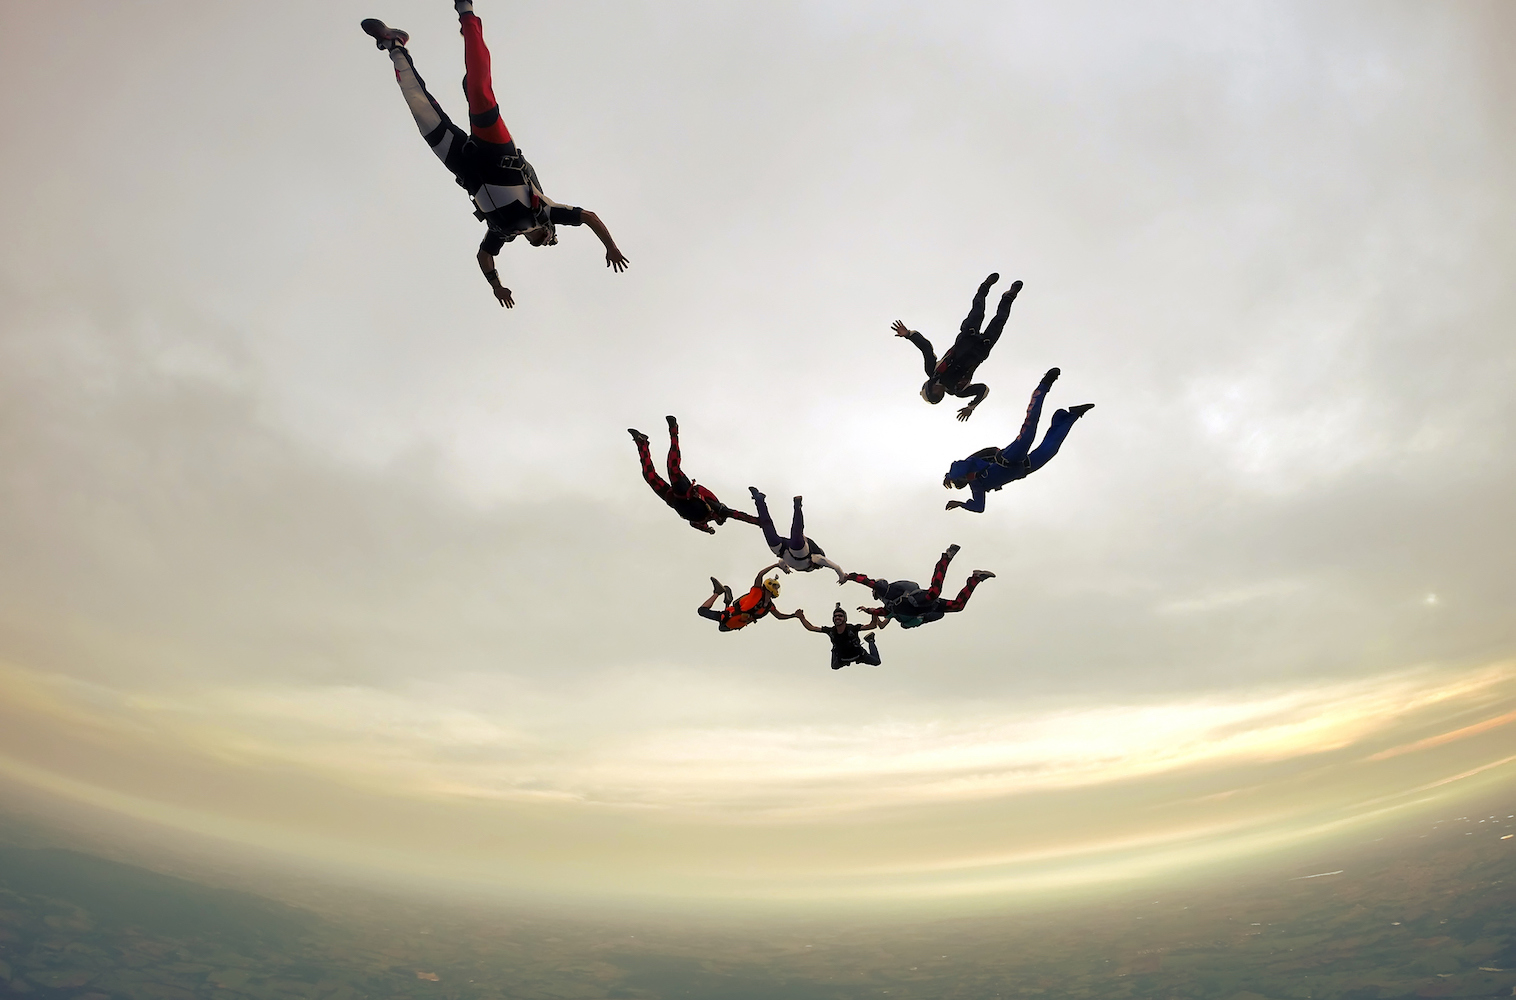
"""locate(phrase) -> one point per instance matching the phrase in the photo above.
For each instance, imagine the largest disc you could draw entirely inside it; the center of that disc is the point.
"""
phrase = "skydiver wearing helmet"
(953, 375)
(748, 608)
(991, 468)
(906, 602)
(486, 163)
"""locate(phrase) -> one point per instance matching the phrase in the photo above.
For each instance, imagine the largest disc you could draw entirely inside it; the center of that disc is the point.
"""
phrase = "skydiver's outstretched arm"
(800, 613)
(976, 505)
(928, 354)
(758, 580)
(613, 256)
(502, 294)
(874, 622)
(780, 614)
(980, 390)
(824, 561)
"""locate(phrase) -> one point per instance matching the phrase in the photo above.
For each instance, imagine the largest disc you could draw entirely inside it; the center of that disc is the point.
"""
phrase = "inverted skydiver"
(748, 608)
(797, 552)
(693, 502)
(953, 374)
(846, 647)
(486, 163)
(991, 468)
(905, 601)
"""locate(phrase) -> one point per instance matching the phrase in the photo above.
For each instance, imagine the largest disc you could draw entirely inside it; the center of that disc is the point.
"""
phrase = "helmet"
(932, 388)
(772, 586)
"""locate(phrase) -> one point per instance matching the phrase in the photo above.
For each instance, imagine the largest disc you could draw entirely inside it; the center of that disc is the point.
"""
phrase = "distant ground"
(1428, 912)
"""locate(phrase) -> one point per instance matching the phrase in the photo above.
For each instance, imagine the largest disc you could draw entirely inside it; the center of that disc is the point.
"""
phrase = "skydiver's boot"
(716, 585)
(637, 435)
(463, 7)
(1078, 411)
(984, 289)
(384, 36)
(1048, 379)
(952, 550)
(982, 574)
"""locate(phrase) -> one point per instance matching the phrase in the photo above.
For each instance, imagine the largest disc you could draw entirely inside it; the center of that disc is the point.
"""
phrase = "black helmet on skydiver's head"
(932, 391)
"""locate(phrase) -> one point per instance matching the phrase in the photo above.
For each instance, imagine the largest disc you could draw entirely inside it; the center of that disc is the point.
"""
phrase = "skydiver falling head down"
(693, 502)
(797, 552)
(748, 608)
(507, 196)
(905, 602)
(846, 647)
(954, 374)
(991, 468)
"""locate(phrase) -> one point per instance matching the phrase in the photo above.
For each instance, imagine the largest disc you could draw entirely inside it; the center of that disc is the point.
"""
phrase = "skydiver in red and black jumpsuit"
(485, 162)
(691, 501)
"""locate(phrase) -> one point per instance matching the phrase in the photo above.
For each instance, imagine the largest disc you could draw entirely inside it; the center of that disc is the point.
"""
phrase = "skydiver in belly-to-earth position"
(485, 162)
(991, 468)
(954, 374)
(693, 502)
(846, 645)
(743, 611)
(906, 602)
(797, 552)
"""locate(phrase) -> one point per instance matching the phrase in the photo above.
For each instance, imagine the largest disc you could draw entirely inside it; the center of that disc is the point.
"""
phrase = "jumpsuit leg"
(1058, 429)
(1017, 450)
(445, 138)
(971, 322)
(678, 481)
(871, 657)
(766, 523)
(650, 473)
(992, 332)
(941, 571)
(874, 585)
(483, 109)
(797, 529)
(957, 603)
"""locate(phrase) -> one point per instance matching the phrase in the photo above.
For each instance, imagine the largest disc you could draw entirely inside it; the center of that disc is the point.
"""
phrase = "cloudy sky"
(307, 544)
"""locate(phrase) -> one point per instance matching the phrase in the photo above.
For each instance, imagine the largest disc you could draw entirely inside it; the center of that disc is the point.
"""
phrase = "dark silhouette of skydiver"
(748, 608)
(797, 552)
(991, 468)
(905, 602)
(485, 162)
(846, 647)
(693, 502)
(952, 375)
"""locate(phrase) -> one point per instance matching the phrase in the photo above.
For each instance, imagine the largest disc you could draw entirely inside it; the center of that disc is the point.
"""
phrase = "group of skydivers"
(508, 198)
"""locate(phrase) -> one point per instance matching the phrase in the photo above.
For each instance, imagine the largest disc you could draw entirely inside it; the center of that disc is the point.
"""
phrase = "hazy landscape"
(1429, 910)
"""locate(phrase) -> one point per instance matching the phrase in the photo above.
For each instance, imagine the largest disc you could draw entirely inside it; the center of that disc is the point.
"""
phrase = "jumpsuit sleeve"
(493, 242)
(977, 503)
(562, 215)
(927, 353)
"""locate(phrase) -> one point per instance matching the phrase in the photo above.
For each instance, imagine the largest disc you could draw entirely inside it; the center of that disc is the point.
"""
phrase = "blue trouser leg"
(1017, 450)
(1058, 429)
